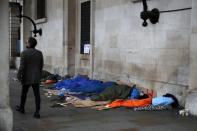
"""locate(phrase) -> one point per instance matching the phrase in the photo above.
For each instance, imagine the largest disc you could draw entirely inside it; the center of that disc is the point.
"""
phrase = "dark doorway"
(85, 24)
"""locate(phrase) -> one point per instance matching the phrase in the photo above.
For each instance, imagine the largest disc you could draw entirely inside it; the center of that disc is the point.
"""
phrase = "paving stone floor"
(84, 119)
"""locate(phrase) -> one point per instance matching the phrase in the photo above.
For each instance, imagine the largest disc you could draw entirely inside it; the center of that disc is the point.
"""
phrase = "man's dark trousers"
(36, 91)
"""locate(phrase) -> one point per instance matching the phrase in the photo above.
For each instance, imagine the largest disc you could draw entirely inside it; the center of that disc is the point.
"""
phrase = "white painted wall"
(155, 57)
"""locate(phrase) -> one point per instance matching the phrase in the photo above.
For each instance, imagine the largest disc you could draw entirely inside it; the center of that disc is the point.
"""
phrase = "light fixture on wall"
(35, 31)
(152, 15)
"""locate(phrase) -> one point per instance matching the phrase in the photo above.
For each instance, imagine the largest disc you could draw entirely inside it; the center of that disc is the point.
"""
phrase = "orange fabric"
(49, 81)
(131, 103)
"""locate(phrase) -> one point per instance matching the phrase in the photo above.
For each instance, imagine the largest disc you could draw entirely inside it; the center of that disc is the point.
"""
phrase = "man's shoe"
(36, 115)
(19, 109)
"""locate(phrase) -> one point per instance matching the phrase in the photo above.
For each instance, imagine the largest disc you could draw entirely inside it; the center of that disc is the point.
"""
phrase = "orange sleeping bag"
(132, 102)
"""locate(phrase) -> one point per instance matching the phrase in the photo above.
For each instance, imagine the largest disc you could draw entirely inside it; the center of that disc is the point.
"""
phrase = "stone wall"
(192, 95)
(72, 23)
(14, 27)
(156, 56)
(53, 42)
(193, 48)
(5, 111)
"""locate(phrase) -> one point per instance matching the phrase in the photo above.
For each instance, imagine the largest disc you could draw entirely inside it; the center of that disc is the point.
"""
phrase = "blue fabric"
(83, 85)
(162, 101)
(70, 83)
(135, 93)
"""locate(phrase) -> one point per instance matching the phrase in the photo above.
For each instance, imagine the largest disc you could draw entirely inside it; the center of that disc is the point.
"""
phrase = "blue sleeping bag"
(83, 85)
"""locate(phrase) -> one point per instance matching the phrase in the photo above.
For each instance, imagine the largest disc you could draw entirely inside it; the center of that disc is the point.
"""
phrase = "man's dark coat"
(31, 65)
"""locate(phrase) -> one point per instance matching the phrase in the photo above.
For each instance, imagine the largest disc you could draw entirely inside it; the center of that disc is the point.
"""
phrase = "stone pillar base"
(5, 119)
(191, 103)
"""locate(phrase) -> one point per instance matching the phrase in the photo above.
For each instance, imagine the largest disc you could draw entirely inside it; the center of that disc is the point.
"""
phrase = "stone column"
(71, 35)
(193, 47)
(5, 111)
(192, 95)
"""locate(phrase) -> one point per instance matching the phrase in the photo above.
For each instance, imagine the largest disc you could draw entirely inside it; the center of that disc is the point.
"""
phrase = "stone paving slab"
(84, 119)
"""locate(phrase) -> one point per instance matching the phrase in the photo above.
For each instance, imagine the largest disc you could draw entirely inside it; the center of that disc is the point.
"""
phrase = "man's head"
(31, 42)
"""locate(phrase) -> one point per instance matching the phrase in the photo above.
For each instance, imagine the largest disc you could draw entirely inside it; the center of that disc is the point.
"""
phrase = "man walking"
(29, 74)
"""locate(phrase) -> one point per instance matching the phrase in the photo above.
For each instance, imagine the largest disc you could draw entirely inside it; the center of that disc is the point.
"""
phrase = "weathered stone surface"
(158, 53)
(5, 112)
(191, 103)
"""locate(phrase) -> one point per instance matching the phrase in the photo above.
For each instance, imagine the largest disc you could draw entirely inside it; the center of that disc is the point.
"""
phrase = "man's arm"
(21, 67)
